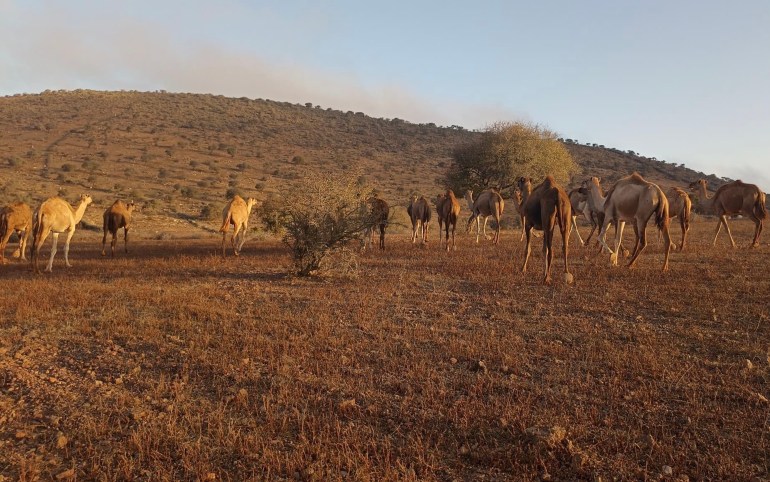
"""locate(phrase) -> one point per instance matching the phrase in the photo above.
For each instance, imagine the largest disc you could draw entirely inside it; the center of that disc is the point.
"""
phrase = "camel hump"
(549, 182)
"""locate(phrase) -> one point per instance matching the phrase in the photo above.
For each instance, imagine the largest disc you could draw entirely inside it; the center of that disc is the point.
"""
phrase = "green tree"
(506, 151)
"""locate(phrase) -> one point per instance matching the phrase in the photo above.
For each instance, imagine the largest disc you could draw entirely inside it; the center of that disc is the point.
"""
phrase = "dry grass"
(174, 364)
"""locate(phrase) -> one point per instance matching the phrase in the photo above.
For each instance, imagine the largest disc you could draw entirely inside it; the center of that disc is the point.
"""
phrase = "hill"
(181, 155)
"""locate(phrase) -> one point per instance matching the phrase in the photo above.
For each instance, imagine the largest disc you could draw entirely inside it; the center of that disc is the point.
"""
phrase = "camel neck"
(705, 201)
(469, 200)
(79, 211)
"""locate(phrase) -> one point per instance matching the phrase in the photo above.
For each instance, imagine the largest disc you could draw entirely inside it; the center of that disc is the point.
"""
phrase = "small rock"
(453, 360)
(348, 404)
(20, 434)
(482, 366)
(667, 470)
(211, 476)
(464, 450)
(749, 365)
(61, 441)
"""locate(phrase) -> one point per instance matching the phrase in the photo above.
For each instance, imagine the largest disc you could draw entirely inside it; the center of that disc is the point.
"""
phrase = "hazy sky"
(686, 81)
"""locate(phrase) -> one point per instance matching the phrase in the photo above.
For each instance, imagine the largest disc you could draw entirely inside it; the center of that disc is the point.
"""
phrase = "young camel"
(489, 203)
(632, 199)
(115, 217)
(449, 213)
(544, 207)
(680, 206)
(733, 198)
(419, 214)
(379, 211)
(56, 216)
(15, 218)
(237, 213)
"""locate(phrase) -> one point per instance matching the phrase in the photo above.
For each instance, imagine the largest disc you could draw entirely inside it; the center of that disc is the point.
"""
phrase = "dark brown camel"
(544, 207)
(115, 217)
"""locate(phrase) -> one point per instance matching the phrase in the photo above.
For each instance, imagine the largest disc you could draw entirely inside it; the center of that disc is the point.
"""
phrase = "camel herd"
(544, 207)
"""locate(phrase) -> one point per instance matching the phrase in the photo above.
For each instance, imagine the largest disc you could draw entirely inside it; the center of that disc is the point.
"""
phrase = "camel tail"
(661, 212)
(226, 222)
(760, 210)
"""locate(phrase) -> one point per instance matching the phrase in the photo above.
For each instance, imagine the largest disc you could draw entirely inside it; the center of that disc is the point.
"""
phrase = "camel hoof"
(568, 278)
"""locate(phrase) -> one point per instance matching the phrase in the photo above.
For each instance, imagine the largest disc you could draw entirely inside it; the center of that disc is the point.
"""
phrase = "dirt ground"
(172, 363)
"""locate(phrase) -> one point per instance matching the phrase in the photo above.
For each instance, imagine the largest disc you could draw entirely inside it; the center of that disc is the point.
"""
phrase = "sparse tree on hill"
(506, 151)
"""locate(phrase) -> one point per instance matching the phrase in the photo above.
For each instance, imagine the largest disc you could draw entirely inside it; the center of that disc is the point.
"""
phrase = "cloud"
(50, 52)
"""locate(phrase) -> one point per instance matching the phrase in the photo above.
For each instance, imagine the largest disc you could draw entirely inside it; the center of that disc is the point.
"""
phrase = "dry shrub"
(322, 220)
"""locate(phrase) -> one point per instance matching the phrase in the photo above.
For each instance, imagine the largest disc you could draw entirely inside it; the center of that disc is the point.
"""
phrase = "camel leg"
(618, 242)
(548, 251)
(224, 235)
(4, 243)
(523, 228)
(574, 222)
(54, 242)
(602, 237)
(23, 240)
(565, 249)
(641, 240)
(382, 236)
(527, 250)
(757, 232)
(425, 226)
(236, 230)
(104, 242)
(37, 243)
(243, 236)
(667, 246)
(125, 239)
(486, 236)
(113, 243)
(454, 228)
(685, 227)
(497, 232)
(67, 248)
(727, 228)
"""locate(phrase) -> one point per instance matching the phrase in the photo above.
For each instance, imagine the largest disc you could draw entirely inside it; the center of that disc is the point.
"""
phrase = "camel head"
(130, 206)
(695, 186)
(524, 184)
(250, 202)
(86, 199)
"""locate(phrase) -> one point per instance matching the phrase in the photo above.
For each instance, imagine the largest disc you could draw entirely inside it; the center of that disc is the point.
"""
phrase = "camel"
(56, 216)
(733, 198)
(680, 206)
(544, 207)
(489, 203)
(15, 218)
(237, 213)
(419, 213)
(632, 199)
(439, 206)
(579, 203)
(115, 217)
(378, 211)
(448, 214)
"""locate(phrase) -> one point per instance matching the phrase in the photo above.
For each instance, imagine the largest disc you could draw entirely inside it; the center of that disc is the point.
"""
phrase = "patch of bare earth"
(172, 363)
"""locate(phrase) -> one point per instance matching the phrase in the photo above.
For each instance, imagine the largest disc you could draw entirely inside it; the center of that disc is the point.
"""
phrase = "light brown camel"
(680, 206)
(544, 207)
(634, 200)
(419, 214)
(379, 210)
(237, 213)
(115, 217)
(439, 206)
(489, 203)
(15, 218)
(450, 212)
(56, 216)
(733, 198)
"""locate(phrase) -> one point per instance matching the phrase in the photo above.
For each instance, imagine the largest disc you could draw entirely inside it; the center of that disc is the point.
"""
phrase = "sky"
(682, 80)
